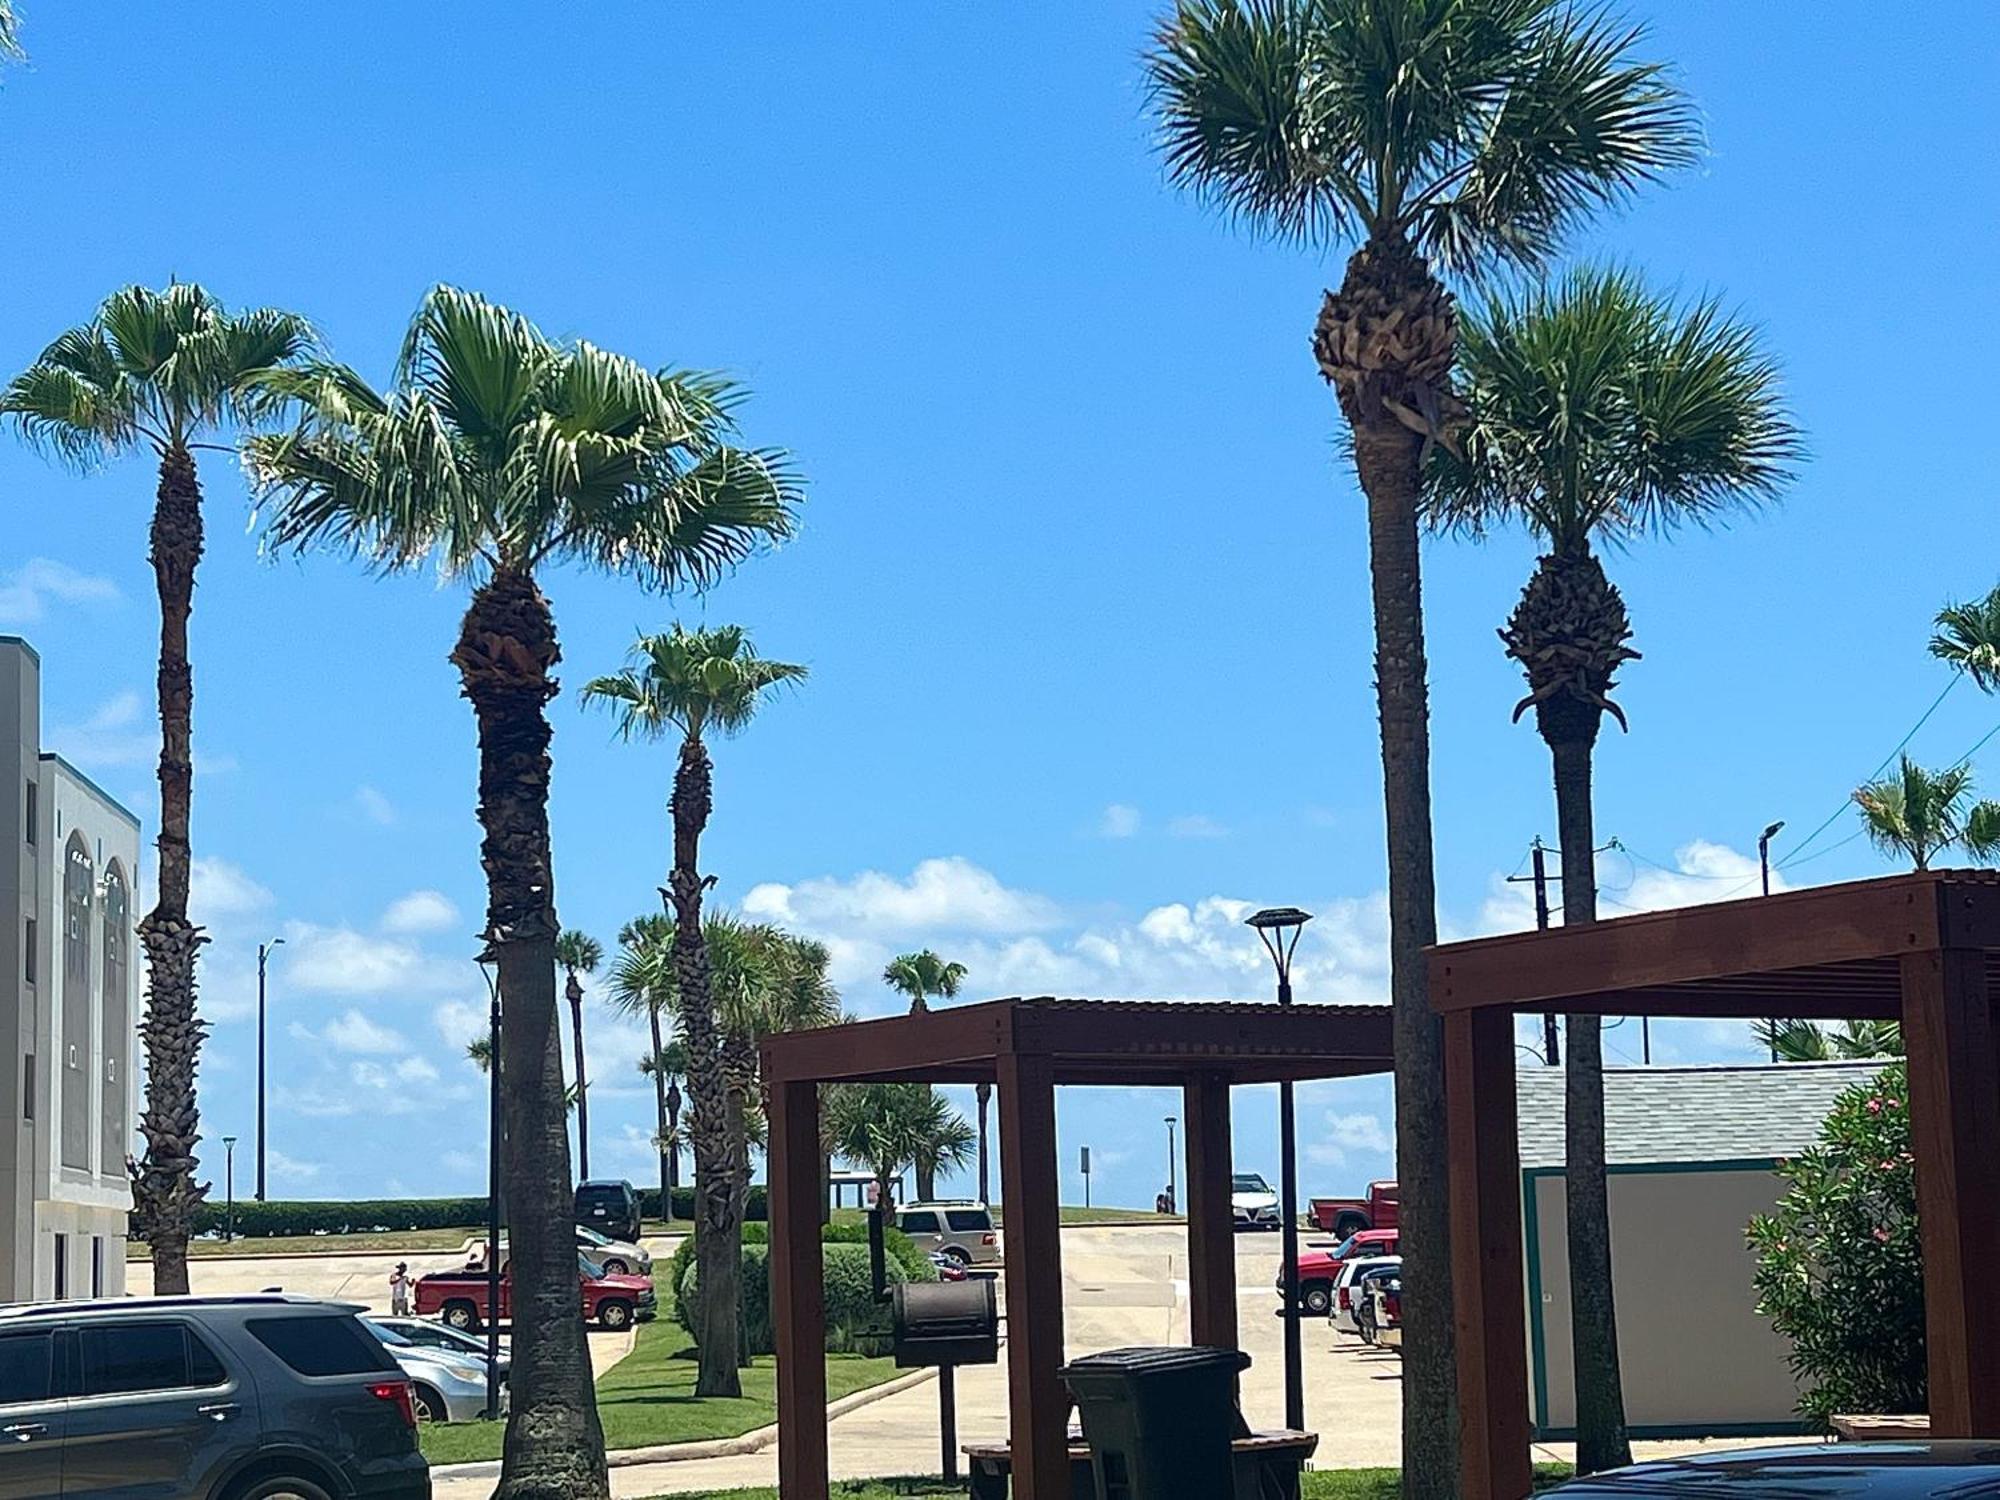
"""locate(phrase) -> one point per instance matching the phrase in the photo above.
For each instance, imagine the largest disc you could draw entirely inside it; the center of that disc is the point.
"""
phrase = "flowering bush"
(1840, 1272)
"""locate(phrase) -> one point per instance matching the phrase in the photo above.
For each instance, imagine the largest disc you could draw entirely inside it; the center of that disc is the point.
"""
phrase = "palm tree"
(1460, 133)
(10, 33)
(479, 1052)
(667, 1067)
(698, 682)
(1968, 637)
(162, 372)
(1919, 814)
(890, 1126)
(498, 452)
(1804, 1041)
(642, 983)
(922, 974)
(1598, 412)
(579, 953)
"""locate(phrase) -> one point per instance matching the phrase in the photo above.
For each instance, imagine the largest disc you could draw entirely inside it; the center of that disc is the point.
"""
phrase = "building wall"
(23, 1089)
(1694, 1354)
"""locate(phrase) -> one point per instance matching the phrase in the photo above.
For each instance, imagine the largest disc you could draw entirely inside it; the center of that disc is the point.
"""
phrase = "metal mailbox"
(945, 1323)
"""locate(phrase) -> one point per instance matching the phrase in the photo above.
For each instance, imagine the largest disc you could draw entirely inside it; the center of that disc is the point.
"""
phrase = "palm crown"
(579, 952)
(923, 974)
(1968, 636)
(157, 368)
(1478, 130)
(710, 678)
(500, 447)
(1920, 814)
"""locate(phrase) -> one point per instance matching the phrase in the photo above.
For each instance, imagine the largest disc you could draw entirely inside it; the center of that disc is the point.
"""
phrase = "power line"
(1800, 848)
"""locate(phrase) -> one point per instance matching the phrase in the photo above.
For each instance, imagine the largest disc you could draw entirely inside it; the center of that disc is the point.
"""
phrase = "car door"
(154, 1412)
(33, 1416)
(921, 1225)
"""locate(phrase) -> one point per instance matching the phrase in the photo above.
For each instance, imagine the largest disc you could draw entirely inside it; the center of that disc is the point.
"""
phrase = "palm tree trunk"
(1601, 1440)
(660, 1106)
(582, 1083)
(1388, 458)
(164, 1191)
(506, 649)
(718, 1223)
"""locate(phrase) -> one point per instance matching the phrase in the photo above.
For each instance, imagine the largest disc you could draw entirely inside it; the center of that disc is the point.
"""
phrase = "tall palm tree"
(698, 683)
(10, 33)
(1456, 133)
(667, 1067)
(579, 953)
(887, 1127)
(499, 452)
(1806, 1041)
(162, 372)
(1919, 814)
(922, 974)
(1968, 637)
(1598, 412)
(642, 983)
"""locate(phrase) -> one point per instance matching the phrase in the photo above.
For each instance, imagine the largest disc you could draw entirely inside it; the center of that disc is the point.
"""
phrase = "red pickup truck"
(1345, 1216)
(459, 1297)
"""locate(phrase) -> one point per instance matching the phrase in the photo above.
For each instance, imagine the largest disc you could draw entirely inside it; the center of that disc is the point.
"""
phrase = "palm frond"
(1968, 637)
(579, 952)
(691, 681)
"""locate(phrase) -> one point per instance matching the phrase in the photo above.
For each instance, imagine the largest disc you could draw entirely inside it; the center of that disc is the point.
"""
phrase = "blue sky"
(1082, 581)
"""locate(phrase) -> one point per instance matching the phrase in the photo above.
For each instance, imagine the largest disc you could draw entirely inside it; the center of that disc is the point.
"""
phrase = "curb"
(754, 1441)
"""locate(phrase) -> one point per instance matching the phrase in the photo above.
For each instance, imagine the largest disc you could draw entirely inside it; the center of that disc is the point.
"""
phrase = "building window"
(28, 959)
(62, 1266)
(28, 1087)
(31, 819)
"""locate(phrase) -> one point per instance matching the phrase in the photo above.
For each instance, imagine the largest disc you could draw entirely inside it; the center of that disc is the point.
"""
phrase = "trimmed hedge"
(281, 1219)
(755, 1204)
(855, 1322)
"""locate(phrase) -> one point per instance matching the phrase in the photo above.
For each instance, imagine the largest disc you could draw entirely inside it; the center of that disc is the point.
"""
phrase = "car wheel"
(615, 1315)
(1317, 1298)
(280, 1487)
(1348, 1224)
(461, 1315)
(617, 1267)
(428, 1403)
(957, 1254)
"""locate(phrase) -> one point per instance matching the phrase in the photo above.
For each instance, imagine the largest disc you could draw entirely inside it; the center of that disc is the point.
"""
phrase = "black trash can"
(1159, 1421)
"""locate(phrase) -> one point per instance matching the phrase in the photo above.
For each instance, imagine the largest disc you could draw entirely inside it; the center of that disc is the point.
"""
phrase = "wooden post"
(1949, 1035)
(1038, 1407)
(1488, 1312)
(1211, 1222)
(798, 1303)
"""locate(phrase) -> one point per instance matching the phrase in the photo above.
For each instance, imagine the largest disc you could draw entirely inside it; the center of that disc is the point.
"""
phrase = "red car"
(1345, 1216)
(1320, 1269)
(459, 1297)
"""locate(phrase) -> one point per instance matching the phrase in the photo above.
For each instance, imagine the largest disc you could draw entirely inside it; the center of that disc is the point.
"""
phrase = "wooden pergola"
(1025, 1048)
(1923, 949)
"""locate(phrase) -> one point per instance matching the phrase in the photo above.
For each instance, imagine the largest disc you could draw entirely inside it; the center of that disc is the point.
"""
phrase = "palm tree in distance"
(1598, 413)
(161, 372)
(497, 453)
(10, 33)
(1463, 134)
(579, 953)
(922, 974)
(1968, 637)
(642, 983)
(1851, 1041)
(667, 1067)
(1919, 814)
(887, 1127)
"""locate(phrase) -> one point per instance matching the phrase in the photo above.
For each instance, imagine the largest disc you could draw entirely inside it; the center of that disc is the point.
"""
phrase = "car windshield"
(1250, 1182)
(388, 1336)
(591, 1237)
(600, 1197)
(589, 1267)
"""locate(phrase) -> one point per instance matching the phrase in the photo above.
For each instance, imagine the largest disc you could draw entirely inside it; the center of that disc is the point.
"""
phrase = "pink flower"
(1882, 1235)
(1895, 1104)
(1874, 1106)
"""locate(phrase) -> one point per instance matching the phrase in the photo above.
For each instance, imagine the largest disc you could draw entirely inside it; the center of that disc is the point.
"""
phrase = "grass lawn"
(415, 1240)
(648, 1398)
(1326, 1484)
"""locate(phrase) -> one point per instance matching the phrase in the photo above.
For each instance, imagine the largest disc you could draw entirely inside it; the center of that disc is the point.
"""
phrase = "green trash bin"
(1159, 1421)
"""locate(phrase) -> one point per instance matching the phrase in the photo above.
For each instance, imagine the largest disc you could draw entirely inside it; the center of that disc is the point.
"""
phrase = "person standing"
(399, 1290)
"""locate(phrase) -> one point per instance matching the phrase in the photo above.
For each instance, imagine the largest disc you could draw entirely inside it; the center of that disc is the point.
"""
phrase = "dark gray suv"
(200, 1398)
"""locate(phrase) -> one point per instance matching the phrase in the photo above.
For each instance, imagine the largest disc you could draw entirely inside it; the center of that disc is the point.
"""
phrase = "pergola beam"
(798, 1306)
(1211, 1219)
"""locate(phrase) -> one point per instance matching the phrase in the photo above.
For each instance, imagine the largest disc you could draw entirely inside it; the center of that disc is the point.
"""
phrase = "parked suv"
(226, 1398)
(962, 1229)
(610, 1207)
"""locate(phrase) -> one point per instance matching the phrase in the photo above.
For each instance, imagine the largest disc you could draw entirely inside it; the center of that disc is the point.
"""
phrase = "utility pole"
(263, 958)
(1537, 852)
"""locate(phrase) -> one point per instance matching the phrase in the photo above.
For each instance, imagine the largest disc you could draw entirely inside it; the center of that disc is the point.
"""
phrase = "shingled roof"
(1694, 1114)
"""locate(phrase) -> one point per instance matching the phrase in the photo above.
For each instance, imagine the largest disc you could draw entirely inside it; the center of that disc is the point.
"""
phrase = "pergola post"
(1489, 1317)
(1949, 1034)
(1038, 1408)
(1211, 1222)
(798, 1302)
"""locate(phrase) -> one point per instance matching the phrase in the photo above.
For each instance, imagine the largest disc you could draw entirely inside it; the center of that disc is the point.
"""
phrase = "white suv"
(962, 1229)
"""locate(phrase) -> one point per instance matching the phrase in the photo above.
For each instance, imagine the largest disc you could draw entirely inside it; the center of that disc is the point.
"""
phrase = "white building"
(69, 997)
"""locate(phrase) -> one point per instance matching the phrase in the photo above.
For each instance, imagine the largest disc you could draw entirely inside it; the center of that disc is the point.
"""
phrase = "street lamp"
(229, 1188)
(672, 1145)
(263, 957)
(1173, 1191)
(1764, 865)
(489, 968)
(1279, 928)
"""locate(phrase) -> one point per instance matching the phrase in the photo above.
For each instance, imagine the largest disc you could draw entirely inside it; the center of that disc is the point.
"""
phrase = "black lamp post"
(1173, 1186)
(489, 967)
(229, 1188)
(1764, 867)
(673, 1146)
(1279, 928)
(263, 957)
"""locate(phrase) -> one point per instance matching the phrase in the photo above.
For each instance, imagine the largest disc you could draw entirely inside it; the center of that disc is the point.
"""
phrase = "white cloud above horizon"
(420, 912)
(27, 592)
(1120, 820)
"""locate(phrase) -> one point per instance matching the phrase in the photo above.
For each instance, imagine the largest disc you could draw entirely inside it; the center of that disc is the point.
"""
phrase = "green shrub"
(855, 1323)
(278, 1219)
(1840, 1270)
(755, 1204)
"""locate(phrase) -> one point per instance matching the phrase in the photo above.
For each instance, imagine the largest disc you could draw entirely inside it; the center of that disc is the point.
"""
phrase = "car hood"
(1317, 1260)
(623, 1284)
(1253, 1200)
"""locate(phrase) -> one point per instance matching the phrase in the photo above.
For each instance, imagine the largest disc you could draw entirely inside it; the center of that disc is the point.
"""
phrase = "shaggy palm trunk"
(718, 1220)
(554, 1447)
(582, 1083)
(664, 1134)
(165, 1194)
(1385, 341)
(739, 1070)
(1569, 634)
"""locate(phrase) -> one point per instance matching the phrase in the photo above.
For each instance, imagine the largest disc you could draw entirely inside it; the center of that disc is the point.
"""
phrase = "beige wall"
(1692, 1349)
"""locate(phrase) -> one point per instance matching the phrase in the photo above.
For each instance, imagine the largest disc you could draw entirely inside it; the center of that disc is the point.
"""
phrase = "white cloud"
(373, 806)
(290, 1169)
(941, 895)
(351, 1031)
(219, 892)
(461, 1021)
(116, 734)
(1196, 826)
(1119, 821)
(27, 591)
(1702, 872)
(420, 911)
(1342, 1136)
(342, 961)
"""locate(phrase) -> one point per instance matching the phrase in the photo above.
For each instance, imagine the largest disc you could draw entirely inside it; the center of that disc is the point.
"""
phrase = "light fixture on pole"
(1764, 867)
(229, 1188)
(489, 967)
(1279, 928)
(1173, 1162)
(263, 958)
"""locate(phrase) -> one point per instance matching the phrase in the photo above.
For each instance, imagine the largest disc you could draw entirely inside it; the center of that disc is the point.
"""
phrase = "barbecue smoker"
(943, 1324)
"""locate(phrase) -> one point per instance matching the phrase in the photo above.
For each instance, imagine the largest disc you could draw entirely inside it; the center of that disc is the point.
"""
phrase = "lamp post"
(263, 958)
(673, 1144)
(1173, 1189)
(1764, 867)
(229, 1188)
(489, 968)
(1279, 928)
